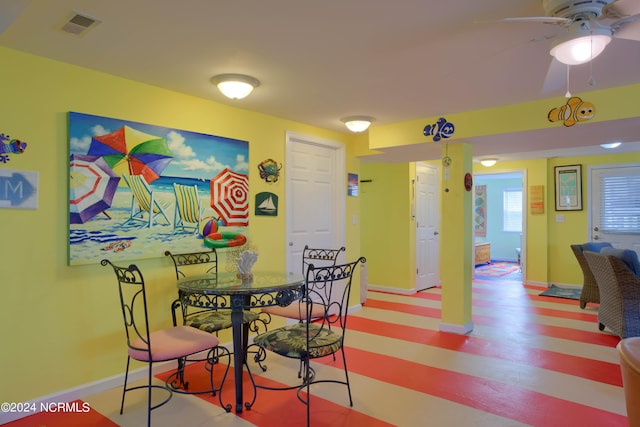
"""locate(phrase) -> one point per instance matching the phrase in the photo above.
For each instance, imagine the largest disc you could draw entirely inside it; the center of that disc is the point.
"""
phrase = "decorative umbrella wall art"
(161, 157)
(133, 152)
(92, 184)
(230, 197)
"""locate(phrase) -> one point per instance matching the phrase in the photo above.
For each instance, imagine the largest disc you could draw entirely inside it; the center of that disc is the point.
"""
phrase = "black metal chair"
(209, 316)
(173, 343)
(319, 257)
(329, 288)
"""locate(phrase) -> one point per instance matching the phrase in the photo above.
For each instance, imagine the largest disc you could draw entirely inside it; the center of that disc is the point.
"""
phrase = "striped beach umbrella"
(230, 197)
(92, 185)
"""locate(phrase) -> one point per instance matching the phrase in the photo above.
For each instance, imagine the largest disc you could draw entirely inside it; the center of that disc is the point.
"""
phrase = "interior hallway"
(530, 360)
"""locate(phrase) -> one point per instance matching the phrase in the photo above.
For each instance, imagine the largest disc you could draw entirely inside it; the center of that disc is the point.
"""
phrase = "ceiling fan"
(588, 27)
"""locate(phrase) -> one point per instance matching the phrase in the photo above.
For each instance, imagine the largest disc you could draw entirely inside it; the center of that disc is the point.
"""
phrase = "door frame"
(414, 204)
(591, 198)
(339, 193)
(523, 248)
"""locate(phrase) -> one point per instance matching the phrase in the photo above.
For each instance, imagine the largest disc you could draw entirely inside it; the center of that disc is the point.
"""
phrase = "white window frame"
(512, 212)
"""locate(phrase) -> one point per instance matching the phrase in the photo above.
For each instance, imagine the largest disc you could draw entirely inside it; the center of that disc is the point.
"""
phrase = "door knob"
(596, 229)
(290, 243)
(435, 233)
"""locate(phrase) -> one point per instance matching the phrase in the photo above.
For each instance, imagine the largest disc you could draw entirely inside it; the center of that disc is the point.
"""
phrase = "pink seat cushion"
(173, 343)
(295, 311)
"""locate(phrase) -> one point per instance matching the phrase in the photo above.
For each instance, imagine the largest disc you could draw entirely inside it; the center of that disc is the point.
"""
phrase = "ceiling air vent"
(78, 24)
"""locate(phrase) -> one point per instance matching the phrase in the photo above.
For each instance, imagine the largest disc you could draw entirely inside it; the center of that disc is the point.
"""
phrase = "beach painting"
(137, 190)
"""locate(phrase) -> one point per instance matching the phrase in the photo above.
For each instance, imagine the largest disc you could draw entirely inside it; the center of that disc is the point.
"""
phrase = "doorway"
(613, 205)
(425, 191)
(315, 195)
(499, 221)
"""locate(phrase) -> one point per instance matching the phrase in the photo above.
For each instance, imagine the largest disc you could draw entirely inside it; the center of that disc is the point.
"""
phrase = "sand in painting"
(101, 237)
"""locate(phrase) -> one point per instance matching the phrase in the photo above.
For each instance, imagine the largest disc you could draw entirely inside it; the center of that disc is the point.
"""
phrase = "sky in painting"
(195, 155)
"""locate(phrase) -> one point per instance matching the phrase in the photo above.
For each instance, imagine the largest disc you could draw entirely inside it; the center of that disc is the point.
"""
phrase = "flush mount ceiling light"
(235, 86)
(611, 145)
(357, 123)
(488, 162)
(584, 41)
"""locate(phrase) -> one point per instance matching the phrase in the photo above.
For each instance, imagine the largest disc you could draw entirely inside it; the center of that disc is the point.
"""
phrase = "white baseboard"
(456, 329)
(84, 390)
(533, 282)
(567, 285)
(392, 290)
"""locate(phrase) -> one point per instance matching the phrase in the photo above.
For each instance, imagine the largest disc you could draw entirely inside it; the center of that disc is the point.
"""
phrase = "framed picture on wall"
(568, 188)
(352, 187)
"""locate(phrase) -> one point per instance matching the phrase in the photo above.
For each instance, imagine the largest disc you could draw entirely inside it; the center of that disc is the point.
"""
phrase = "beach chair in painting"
(144, 201)
(188, 212)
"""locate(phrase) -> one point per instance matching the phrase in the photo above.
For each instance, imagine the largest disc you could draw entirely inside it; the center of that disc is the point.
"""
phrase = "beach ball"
(207, 226)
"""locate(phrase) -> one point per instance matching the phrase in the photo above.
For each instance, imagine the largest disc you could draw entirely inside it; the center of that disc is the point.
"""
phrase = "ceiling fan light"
(611, 145)
(488, 162)
(235, 86)
(357, 123)
(580, 50)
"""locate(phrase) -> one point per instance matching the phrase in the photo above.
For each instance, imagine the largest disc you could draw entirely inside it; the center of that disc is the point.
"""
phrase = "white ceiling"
(320, 61)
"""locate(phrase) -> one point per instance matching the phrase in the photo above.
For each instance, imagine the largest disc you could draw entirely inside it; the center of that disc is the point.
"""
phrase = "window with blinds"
(512, 210)
(620, 204)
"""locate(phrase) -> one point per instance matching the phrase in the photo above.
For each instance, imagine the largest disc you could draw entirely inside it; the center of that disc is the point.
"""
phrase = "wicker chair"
(619, 292)
(590, 291)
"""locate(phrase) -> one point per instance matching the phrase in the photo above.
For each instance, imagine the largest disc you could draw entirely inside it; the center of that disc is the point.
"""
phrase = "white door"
(427, 216)
(315, 196)
(613, 204)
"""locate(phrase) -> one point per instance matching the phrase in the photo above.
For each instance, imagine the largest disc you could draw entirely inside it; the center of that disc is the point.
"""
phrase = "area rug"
(497, 269)
(557, 291)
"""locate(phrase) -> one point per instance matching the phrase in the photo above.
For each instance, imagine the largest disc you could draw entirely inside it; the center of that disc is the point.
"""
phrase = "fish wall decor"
(440, 129)
(10, 146)
(574, 111)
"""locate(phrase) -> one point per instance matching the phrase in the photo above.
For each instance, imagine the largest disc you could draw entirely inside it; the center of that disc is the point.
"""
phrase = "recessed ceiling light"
(235, 86)
(357, 123)
(611, 145)
(488, 162)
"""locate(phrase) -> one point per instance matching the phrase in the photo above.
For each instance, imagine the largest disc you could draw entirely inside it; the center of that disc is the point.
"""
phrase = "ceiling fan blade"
(627, 28)
(539, 20)
(620, 9)
(556, 79)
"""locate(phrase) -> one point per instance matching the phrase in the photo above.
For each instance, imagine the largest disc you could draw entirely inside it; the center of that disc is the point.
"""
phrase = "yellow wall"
(456, 236)
(548, 256)
(61, 325)
(386, 213)
(563, 268)
(615, 103)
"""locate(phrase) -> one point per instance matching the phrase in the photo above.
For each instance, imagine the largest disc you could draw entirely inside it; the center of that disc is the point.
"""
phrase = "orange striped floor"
(530, 360)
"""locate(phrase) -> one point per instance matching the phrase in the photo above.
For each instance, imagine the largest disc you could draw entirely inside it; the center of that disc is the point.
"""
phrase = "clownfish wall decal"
(440, 129)
(10, 146)
(574, 111)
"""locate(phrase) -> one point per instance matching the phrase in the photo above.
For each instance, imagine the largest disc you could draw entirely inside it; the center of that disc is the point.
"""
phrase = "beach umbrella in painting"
(92, 184)
(230, 197)
(130, 151)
